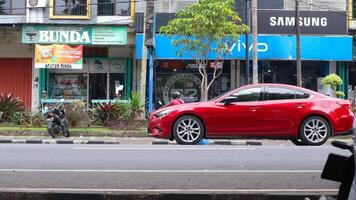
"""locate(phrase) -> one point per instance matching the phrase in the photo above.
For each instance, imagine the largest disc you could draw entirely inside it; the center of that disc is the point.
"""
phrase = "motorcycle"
(341, 169)
(57, 122)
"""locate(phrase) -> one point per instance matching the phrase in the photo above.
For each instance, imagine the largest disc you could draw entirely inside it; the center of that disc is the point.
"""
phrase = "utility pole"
(254, 42)
(297, 32)
(143, 60)
(247, 43)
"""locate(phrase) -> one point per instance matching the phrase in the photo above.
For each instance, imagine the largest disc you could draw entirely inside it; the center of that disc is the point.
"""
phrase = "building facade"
(76, 49)
(325, 47)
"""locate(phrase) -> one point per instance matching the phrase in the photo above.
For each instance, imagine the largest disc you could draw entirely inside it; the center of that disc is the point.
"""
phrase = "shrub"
(21, 117)
(37, 120)
(76, 114)
(9, 105)
(105, 113)
(136, 105)
(333, 81)
(339, 94)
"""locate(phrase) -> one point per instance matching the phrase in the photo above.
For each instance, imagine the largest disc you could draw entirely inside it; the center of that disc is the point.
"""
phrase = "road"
(173, 168)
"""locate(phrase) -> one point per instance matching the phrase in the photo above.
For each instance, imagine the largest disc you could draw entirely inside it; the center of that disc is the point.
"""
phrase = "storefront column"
(237, 73)
(342, 72)
(128, 78)
(332, 67)
(233, 74)
(35, 102)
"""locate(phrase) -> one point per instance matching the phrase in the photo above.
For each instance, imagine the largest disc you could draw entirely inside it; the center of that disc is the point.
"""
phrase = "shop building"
(71, 49)
(325, 46)
(15, 58)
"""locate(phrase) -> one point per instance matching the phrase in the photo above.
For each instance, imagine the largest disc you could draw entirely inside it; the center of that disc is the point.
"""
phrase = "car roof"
(285, 86)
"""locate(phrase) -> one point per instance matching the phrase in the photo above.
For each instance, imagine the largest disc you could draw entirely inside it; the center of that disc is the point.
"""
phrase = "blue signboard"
(270, 47)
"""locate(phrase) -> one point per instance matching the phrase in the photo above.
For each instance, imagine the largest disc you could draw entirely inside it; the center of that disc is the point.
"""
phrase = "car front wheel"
(314, 131)
(188, 130)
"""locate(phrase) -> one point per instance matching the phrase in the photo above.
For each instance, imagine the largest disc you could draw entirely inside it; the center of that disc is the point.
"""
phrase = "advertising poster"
(59, 56)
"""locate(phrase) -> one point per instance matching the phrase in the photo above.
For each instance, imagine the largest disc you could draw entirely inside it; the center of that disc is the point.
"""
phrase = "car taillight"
(345, 104)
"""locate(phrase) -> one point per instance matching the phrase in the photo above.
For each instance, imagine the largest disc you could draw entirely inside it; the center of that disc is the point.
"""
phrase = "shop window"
(12, 7)
(113, 7)
(70, 9)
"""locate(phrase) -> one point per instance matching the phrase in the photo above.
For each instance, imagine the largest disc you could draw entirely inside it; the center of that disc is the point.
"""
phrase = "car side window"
(280, 93)
(301, 95)
(250, 94)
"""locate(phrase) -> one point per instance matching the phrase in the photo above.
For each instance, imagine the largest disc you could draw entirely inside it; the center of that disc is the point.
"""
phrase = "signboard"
(270, 47)
(58, 56)
(89, 35)
(310, 22)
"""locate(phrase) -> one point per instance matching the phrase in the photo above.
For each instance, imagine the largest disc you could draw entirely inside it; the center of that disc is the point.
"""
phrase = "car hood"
(185, 106)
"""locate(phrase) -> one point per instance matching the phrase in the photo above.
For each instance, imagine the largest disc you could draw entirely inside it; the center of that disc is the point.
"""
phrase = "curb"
(217, 142)
(149, 196)
(53, 141)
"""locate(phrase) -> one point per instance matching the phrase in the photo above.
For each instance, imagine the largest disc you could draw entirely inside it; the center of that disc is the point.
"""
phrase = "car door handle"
(300, 105)
(254, 109)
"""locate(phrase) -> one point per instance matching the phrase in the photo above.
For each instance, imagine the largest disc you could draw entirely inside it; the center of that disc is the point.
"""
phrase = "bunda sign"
(89, 35)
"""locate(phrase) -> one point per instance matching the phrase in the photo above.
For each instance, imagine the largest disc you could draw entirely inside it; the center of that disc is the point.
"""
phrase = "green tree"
(208, 27)
(2, 9)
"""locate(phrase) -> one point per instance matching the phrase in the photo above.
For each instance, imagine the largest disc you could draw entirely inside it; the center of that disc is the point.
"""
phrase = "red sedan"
(256, 111)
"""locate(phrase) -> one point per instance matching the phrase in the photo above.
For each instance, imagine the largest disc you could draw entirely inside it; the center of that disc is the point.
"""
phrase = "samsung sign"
(270, 47)
(310, 22)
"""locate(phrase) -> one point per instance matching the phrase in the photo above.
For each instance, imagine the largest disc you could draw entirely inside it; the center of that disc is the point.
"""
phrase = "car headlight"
(162, 113)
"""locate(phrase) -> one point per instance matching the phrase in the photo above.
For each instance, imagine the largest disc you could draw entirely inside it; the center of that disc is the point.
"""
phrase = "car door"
(281, 109)
(238, 117)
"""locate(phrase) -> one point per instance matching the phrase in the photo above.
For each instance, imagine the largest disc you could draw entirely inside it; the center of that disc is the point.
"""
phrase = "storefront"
(276, 54)
(88, 63)
(184, 76)
(15, 65)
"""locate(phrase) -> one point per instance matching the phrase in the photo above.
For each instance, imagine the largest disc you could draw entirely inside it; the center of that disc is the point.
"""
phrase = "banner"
(89, 35)
(310, 22)
(58, 56)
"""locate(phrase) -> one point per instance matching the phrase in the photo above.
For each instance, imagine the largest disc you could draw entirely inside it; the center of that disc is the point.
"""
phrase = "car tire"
(314, 131)
(188, 130)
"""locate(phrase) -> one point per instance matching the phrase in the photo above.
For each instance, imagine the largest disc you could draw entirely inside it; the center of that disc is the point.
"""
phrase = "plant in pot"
(333, 81)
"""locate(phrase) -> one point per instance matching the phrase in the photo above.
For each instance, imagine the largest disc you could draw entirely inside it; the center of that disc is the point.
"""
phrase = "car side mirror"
(229, 100)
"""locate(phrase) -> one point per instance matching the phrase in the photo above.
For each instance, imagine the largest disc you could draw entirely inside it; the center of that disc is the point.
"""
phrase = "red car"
(256, 111)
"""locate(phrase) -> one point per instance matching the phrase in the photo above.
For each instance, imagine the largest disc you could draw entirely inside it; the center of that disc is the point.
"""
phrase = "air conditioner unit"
(36, 3)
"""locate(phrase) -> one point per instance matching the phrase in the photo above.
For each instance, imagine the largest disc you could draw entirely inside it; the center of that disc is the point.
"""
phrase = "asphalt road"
(137, 168)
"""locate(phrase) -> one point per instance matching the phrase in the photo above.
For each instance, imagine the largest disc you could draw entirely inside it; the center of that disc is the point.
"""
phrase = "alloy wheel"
(188, 130)
(315, 130)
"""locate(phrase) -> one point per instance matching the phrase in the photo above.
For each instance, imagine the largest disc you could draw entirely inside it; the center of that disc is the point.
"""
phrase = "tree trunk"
(204, 86)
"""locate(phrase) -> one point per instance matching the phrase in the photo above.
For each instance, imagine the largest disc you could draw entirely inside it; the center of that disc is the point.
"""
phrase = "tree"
(2, 9)
(205, 28)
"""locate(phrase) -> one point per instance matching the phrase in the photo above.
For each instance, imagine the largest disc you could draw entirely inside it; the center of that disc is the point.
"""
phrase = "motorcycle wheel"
(66, 133)
(51, 132)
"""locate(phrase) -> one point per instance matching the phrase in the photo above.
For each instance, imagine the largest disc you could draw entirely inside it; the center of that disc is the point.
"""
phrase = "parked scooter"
(57, 122)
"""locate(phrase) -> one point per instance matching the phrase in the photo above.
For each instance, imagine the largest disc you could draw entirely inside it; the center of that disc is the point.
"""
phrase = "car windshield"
(213, 99)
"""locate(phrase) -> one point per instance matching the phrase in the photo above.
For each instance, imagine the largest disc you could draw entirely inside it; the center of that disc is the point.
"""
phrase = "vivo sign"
(241, 46)
(270, 47)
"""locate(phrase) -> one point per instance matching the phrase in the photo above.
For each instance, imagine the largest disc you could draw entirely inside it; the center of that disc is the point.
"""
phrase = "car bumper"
(159, 127)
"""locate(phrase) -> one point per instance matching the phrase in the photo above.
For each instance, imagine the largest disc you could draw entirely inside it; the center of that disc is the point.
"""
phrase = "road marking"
(162, 148)
(161, 171)
(166, 190)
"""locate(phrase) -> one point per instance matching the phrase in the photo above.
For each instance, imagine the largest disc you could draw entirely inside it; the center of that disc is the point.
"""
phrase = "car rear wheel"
(314, 131)
(297, 142)
(188, 130)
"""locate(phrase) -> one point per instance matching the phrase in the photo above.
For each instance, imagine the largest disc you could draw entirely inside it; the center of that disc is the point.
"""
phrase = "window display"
(68, 86)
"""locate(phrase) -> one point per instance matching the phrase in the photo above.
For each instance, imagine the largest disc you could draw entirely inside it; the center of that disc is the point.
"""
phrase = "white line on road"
(161, 148)
(161, 171)
(166, 190)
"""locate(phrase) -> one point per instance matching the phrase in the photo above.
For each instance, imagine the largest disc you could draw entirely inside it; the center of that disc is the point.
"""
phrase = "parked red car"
(256, 111)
